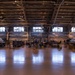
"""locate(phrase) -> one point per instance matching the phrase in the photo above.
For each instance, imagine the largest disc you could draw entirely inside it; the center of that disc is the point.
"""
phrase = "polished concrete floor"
(25, 61)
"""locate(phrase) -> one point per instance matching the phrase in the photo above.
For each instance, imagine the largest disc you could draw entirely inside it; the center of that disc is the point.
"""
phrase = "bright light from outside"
(2, 29)
(57, 29)
(73, 29)
(18, 29)
(37, 29)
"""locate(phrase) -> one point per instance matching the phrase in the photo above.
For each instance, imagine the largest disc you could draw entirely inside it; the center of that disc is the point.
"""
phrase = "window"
(37, 29)
(57, 29)
(73, 29)
(18, 29)
(2, 29)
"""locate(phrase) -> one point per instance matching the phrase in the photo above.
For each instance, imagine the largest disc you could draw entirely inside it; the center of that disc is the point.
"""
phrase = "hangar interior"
(37, 37)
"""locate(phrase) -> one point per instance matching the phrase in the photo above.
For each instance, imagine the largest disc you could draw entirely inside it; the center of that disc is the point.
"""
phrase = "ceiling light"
(15, 1)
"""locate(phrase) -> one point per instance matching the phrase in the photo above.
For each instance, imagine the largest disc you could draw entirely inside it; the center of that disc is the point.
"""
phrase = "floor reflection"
(2, 56)
(19, 56)
(26, 62)
(72, 55)
(57, 56)
(38, 58)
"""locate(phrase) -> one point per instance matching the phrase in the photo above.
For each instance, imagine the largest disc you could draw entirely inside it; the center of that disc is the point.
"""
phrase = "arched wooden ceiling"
(32, 12)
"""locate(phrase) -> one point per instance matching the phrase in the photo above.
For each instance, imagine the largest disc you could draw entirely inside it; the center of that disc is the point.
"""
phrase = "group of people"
(36, 43)
(42, 43)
